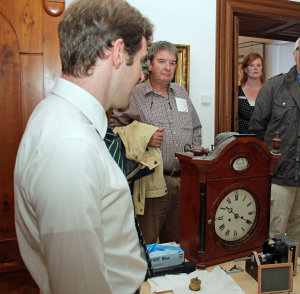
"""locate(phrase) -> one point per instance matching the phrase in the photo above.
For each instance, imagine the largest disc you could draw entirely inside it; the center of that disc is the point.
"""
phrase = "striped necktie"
(114, 148)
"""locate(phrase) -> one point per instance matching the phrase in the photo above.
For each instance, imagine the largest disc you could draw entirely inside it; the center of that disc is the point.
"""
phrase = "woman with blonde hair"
(252, 80)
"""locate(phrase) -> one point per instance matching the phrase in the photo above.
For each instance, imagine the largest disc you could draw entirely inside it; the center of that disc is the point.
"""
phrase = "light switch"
(205, 99)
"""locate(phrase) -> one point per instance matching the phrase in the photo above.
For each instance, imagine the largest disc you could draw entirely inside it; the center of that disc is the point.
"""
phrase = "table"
(243, 279)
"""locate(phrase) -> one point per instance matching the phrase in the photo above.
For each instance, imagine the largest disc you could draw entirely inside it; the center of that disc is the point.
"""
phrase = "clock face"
(235, 215)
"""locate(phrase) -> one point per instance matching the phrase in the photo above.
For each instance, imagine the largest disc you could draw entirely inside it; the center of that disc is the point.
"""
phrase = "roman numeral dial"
(235, 215)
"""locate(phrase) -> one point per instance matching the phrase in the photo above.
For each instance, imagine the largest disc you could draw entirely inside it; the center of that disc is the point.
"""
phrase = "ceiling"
(269, 27)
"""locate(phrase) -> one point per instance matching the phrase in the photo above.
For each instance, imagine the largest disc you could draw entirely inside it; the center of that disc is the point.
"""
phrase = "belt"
(174, 173)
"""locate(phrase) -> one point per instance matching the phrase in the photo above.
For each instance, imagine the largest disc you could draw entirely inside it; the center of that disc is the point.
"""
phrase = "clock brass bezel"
(242, 155)
(235, 207)
(227, 245)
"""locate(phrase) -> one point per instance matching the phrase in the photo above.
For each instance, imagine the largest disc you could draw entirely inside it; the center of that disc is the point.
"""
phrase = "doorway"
(269, 19)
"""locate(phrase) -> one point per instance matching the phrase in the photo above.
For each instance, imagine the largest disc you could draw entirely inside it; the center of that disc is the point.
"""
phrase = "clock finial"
(276, 143)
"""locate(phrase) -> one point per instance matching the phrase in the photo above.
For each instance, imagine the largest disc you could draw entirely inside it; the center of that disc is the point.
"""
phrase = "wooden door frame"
(225, 35)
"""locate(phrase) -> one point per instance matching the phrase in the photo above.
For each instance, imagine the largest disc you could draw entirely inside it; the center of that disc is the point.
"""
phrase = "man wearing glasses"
(277, 109)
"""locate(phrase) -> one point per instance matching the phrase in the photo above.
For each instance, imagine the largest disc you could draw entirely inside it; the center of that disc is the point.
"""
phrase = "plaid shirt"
(149, 107)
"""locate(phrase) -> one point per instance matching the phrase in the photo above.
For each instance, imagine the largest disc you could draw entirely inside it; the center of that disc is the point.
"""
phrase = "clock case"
(206, 180)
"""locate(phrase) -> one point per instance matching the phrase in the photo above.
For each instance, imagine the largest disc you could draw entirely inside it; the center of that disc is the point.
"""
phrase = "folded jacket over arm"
(135, 138)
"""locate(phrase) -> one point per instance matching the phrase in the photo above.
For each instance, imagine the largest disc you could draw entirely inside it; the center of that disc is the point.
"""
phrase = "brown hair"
(88, 28)
(248, 59)
(161, 46)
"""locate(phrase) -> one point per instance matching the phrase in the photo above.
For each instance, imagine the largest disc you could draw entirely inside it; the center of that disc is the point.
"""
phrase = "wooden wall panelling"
(21, 87)
(17, 282)
(7, 9)
(52, 63)
(28, 25)
(10, 121)
(10, 258)
(32, 85)
(29, 65)
(40, 71)
(14, 278)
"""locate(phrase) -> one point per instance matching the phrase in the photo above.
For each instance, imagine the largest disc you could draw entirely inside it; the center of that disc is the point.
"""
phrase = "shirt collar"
(298, 76)
(84, 101)
(148, 87)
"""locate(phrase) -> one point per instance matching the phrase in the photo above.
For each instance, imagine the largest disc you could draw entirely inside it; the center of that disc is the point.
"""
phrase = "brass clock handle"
(195, 284)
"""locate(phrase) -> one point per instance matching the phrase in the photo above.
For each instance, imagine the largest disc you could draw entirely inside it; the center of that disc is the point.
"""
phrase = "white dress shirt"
(73, 208)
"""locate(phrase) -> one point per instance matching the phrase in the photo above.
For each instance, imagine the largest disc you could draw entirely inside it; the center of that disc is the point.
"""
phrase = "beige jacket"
(135, 138)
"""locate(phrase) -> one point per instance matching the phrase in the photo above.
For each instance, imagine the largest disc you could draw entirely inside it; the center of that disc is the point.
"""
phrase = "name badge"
(181, 104)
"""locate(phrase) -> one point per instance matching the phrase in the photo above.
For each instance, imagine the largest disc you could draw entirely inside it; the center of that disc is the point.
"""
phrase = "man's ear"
(149, 65)
(118, 53)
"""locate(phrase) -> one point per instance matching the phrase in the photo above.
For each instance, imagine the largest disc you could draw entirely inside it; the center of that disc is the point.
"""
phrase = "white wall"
(190, 22)
(193, 22)
(279, 57)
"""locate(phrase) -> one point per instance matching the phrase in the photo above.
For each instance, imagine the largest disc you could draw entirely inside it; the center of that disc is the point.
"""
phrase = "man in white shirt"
(73, 209)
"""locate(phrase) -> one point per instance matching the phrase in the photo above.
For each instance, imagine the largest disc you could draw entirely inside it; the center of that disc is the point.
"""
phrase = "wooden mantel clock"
(225, 200)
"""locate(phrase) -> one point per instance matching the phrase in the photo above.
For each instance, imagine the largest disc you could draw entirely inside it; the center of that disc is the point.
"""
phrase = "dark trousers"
(161, 221)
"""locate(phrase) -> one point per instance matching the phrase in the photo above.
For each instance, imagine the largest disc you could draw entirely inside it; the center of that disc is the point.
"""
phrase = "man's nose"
(167, 66)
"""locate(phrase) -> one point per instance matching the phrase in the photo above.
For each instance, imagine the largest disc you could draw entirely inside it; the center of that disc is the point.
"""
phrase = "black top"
(245, 111)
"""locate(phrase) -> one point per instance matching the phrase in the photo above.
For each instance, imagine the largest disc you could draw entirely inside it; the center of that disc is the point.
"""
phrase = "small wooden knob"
(54, 8)
(195, 284)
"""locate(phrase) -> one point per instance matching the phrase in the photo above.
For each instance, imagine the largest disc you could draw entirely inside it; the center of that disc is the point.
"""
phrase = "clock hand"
(236, 215)
(229, 209)
(246, 220)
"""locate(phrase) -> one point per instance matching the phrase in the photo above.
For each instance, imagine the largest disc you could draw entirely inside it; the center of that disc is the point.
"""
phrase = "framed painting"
(182, 74)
